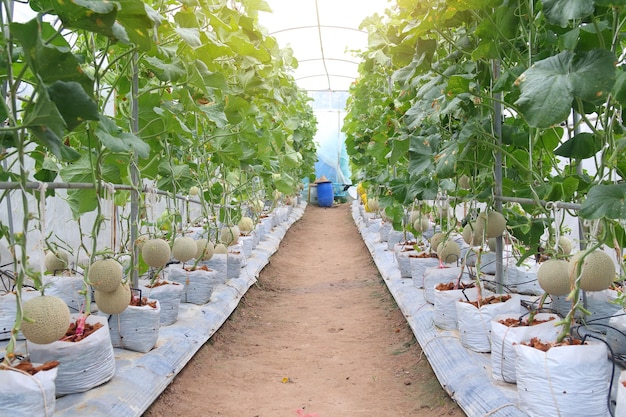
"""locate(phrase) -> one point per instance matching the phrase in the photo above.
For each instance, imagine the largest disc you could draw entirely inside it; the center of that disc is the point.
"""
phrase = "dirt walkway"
(319, 336)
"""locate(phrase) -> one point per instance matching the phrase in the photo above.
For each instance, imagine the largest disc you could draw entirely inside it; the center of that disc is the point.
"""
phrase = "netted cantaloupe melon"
(184, 248)
(492, 223)
(449, 251)
(220, 249)
(46, 319)
(491, 242)
(553, 277)
(565, 246)
(421, 224)
(113, 302)
(435, 240)
(597, 270)
(373, 204)
(56, 261)
(471, 235)
(156, 253)
(229, 235)
(205, 249)
(246, 225)
(464, 182)
(105, 275)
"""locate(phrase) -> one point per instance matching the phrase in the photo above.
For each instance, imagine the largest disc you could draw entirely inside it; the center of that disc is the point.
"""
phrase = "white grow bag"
(25, 395)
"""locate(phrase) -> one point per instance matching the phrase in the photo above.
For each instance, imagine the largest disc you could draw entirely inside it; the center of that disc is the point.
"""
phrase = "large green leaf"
(73, 103)
(605, 201)
(112, 137)
(581, 146)
(550, 85)
(165, 71)
(91, 15)
(560, 12)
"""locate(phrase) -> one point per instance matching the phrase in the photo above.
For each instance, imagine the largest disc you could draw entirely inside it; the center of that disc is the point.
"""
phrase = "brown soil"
(319, 335)
(29, 368)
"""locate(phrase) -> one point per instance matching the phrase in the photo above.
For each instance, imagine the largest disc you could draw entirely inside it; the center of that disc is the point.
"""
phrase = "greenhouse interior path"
(319, 335)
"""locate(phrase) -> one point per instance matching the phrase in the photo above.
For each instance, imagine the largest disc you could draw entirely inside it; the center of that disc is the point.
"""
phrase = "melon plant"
(184, 248)
(56, 261)
(553, 277)
(449, 251)
(105, 275)
(435, 240)
(205, 249)
(229, 235)
(46, 319)
(246, 225)
(597, 271)
(373, 204)
(113, 302)
(220, 249)
(565, 246)
(156, 253)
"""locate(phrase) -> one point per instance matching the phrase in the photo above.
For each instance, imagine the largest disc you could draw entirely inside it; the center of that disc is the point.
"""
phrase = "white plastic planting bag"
(374, 226)
(616, 333)
(247, 245)
(397, 236)
(475, 323)
(620, 407)
(136, 328)
(504, 338)
(219, 263)
(436, 275)
(564, 381)
(401, 253)
(68, 288)
(445, 306)
(84, 364)
(198, 284)
(8, 308)
(25, 395)
(233, 263)
(169, 295)
(419, 267)
(601, 305)
(385, 229)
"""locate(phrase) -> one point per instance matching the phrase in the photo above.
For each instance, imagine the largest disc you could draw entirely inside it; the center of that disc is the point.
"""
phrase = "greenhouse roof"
(323, 35)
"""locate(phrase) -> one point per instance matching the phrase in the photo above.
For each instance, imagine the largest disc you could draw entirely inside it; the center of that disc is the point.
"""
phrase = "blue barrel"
(325, 194)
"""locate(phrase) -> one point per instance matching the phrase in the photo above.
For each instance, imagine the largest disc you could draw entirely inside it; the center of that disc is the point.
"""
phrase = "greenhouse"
(313, 208)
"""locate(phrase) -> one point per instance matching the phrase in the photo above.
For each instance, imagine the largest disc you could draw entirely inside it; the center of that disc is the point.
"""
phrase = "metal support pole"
(134, 177)
(497, 130)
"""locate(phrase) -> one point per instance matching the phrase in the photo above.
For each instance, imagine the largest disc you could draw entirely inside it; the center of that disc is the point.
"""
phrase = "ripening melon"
(113, 302)
(491, 242)
(220, 249)
(464, 182)
(449, 251)
(492, 223)
(597, 271)
(421, 224)
(229, 235)
(435, 240)
(194, 190)
(105, 275)
(246, 225)
(553, 277)
(47, 318)
(184, 248)
(205, 249)
(414, 215)
(56, 261)
(565, 246)
(373, 204)
(471, 236)
(156, 253)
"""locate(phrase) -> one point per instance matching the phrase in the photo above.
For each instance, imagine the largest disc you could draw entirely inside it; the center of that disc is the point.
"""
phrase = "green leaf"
(191, 36)
(115, 139)
(560, 12)
(619, 89)
(165, 71)
(581, 146)
(457, 84)
(550, 85)
(73, 103)
(605, 201)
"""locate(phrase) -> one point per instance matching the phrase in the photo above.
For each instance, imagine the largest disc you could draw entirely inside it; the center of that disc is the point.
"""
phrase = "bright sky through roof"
(322, 34)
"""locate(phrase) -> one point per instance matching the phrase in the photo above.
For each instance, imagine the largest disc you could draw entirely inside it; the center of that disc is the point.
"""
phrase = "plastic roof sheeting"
(322, 34)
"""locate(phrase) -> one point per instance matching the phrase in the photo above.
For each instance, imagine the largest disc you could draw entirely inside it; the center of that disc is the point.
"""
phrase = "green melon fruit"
(246, 225)
(553, 277)
(491, 242)
(194, 190)
(414, 215)
(471, 235)
(113, 302)
(565, 246)
(435, 240)
(105, 275)
(47, 319)
(421, 224)
(220, 249)
(597, 271)
(56, 261)
(373, 204)
(184, 248)
(205, 249)
(156, 253)
(229, 235)
(492, 223)
(449, 251)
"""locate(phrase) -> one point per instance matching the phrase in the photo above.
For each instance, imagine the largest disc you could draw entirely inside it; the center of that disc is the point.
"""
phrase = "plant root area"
(319, 335)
